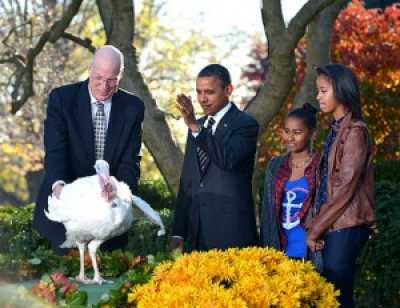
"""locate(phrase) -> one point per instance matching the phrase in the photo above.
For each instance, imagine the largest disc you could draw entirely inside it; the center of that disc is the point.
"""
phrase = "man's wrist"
(195, 128)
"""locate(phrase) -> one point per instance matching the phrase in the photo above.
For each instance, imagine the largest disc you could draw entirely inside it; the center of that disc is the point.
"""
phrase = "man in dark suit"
(214, 206)
(89, 120)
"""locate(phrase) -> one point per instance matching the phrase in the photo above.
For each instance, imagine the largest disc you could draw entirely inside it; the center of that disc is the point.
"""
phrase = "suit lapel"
(226, 122)
(83, 116)
(223, 127)
(115, 126)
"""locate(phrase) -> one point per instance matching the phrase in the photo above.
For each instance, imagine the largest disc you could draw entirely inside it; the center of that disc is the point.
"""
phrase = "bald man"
(89, 120)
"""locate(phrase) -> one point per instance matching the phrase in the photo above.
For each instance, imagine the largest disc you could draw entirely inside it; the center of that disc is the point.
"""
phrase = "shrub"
(378, 283)
(143, 239)
(385, 170)
(17, 236)
(157, 194)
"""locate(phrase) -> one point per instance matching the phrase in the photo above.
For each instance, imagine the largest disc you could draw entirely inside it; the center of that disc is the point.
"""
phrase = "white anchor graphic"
(288, 224)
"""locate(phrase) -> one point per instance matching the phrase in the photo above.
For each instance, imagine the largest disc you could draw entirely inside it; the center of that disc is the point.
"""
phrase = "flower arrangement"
(57, 289)
(250, 277)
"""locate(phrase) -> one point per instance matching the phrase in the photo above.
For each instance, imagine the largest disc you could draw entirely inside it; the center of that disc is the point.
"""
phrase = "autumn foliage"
(368, 41)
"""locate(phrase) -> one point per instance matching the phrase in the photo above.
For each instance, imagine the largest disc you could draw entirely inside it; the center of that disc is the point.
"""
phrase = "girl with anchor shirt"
(289, 187)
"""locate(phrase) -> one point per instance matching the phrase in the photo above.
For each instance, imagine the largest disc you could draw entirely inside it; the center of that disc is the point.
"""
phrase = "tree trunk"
(157, 135)
(318, 37)
(282, 41)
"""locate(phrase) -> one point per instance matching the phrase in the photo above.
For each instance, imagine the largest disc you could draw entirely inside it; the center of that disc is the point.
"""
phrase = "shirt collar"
(336, 123)
(220, 114)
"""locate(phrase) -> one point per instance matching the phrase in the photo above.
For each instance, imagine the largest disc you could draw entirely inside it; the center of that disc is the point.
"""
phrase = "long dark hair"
(345, 86)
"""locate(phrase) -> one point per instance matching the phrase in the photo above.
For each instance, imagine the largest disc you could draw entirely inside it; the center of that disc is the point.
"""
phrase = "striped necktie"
(100, 130)
(202, 156)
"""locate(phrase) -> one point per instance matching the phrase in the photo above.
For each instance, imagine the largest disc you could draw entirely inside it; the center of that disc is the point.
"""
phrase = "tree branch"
(281, 45)
(274, 25)
(86, 43)
(297, 25)
(23, 85)
(18, 60)
(106, 12)
(318, 37)
(12, 30)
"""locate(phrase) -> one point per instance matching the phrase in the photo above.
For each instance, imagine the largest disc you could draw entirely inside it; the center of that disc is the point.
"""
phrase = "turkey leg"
(81, 277)
(93, 246)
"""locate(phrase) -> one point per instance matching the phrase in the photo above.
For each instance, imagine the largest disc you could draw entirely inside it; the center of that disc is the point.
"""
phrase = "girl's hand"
(315, 245)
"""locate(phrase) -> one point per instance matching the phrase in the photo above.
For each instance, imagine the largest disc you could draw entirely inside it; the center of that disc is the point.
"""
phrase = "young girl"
(290, 185)
(344, 200)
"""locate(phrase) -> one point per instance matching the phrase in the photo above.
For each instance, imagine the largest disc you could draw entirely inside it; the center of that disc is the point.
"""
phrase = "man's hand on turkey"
(57, 190)
(108, 189)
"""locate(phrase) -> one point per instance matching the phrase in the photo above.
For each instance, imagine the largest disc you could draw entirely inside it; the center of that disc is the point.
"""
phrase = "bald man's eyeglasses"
(108, 81)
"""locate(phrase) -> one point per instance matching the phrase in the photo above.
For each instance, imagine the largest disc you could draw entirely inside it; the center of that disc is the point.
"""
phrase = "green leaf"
(35, 261)
(78, 298)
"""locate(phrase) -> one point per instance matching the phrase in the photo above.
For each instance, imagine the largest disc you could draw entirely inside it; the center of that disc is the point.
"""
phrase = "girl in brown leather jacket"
(343, 208)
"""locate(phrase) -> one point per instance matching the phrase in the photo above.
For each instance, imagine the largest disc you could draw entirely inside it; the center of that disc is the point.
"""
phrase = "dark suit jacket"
(217, 211)
(69, 145)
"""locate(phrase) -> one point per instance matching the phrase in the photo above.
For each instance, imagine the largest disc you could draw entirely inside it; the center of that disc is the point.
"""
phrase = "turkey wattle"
(94, 209)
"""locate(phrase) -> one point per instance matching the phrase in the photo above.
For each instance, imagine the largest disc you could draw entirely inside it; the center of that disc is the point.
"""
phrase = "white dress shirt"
(107, 107)
(217, 117)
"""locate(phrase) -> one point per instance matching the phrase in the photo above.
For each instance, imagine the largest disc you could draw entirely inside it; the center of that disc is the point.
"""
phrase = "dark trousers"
(201, 240)
(339, 256)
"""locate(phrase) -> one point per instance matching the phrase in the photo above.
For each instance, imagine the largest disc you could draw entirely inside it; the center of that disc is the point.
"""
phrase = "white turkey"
(93, 213)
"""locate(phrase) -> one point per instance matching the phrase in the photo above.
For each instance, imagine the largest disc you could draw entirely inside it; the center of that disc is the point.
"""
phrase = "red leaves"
(48, 287)
(369, 42)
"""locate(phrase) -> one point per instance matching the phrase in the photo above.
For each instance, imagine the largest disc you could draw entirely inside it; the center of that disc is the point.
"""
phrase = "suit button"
(201, 185)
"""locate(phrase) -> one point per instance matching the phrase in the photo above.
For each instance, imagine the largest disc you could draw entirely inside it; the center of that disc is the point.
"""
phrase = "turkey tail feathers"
(149, 212)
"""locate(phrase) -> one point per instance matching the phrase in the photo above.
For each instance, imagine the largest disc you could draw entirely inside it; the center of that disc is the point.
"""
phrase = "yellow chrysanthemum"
(250, 277)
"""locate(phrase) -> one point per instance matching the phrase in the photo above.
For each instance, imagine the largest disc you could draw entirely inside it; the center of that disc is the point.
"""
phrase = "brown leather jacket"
(350, 195)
